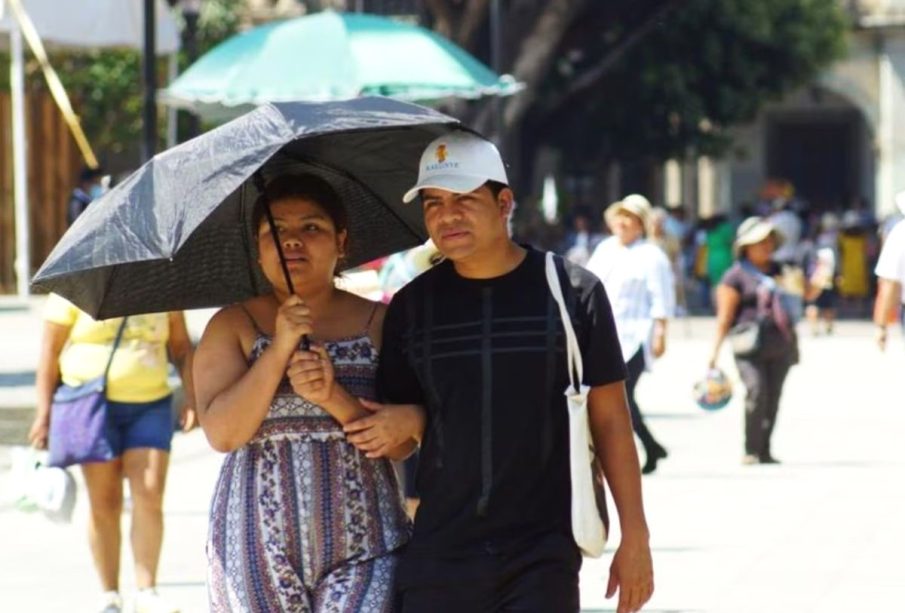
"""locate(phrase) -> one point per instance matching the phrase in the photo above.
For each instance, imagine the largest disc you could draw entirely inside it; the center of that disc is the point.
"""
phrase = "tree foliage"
(705, 68)
(105, 85)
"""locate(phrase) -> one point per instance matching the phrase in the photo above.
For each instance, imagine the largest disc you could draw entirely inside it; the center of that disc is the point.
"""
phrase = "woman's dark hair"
(305, 186)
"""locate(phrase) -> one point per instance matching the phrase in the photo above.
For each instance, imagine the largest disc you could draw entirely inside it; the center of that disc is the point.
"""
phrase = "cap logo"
(441, 154)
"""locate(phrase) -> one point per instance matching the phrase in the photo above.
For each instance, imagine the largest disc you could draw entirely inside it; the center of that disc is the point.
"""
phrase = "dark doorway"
(819, 153)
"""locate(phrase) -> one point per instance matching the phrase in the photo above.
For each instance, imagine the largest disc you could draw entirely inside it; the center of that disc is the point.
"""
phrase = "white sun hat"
(459, 162)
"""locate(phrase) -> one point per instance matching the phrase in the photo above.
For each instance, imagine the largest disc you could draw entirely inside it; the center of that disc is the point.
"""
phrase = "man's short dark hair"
(495, 187)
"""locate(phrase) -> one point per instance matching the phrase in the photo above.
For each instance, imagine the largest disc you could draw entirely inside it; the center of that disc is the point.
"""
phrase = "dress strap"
(371, 317)
(254, 324)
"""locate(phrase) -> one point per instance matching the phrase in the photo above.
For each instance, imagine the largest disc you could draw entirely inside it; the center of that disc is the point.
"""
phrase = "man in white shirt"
(890, 271)
(639, 282)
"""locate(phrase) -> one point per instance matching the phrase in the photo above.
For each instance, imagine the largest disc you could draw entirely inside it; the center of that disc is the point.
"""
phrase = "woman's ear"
(341, 242)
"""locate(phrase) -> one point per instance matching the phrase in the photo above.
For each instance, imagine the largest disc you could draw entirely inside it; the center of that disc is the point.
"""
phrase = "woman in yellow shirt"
(75, 349)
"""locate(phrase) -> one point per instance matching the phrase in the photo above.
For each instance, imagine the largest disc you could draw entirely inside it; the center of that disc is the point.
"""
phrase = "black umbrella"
(177, 233)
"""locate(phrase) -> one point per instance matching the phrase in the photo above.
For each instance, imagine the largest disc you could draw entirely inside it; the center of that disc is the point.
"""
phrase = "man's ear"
(506, 200)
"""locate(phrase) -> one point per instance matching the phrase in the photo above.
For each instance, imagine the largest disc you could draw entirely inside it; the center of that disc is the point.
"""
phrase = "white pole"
(172, 117)
(20, 150)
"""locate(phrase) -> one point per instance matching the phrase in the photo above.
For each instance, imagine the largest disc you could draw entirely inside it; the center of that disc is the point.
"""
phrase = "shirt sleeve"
(397, 381)
(601, 352)
(660, 285)
(891, 263)
(58, 310)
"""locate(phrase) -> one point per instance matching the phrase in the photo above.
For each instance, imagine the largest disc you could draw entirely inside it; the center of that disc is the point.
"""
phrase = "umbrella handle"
(306, 342)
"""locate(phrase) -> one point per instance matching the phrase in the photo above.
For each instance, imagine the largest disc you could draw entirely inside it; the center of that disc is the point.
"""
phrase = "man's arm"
(888, 292)
(611, 428)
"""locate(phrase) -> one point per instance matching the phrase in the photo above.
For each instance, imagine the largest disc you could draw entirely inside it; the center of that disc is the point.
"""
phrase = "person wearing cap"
(890, 271)
(477, 340)
(639, 281)
(749, 296)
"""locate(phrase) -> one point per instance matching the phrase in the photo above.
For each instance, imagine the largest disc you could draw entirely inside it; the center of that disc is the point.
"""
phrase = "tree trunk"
(536, 55)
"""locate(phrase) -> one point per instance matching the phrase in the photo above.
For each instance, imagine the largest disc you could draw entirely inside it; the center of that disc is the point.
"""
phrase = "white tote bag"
(587, 524)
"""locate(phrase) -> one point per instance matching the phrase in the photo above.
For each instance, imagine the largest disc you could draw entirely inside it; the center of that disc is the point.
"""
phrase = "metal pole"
(20, 153)
(496, 61)
(149, 59)
(191, 12)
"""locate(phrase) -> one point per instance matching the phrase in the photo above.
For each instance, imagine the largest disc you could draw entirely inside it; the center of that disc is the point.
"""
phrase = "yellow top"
(139, 369)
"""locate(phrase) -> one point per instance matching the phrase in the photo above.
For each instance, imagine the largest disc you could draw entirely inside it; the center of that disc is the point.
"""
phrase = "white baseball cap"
(459, 162)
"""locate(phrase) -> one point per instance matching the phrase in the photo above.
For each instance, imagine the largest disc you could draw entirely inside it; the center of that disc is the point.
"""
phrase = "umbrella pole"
(306, 343)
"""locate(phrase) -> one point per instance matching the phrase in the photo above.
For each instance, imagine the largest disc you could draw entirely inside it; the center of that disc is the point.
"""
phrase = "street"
(822, 532)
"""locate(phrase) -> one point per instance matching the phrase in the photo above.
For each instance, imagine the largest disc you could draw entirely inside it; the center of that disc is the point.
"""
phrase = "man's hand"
(658, 344)
(389, 426)
(881, 337)
(632, 574)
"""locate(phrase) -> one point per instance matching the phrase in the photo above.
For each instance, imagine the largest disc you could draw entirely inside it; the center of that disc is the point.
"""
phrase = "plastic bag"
(34, 486)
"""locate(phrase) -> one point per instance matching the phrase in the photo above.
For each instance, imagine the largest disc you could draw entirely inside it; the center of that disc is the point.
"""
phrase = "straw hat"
(753, 230)
(634, 204)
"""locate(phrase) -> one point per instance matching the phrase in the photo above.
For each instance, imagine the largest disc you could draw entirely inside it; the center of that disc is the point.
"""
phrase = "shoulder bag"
(78, 419)
(588, 498)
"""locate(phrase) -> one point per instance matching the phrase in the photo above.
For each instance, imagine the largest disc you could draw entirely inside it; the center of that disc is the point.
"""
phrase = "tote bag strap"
(119, 336)
(573, 352)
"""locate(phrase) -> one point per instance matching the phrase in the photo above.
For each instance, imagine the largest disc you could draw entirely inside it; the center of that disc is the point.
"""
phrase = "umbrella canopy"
(330, 56)
(177, 233)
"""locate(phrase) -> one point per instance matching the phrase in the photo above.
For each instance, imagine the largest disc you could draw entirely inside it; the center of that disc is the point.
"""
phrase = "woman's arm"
(727, 303)
(180, 350)
(53, 340)
(232, 399)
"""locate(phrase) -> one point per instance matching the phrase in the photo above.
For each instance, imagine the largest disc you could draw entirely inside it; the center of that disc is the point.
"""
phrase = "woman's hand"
(188, 418)
(388, 427)
(39, 431)
(292, 323)
(311, 375)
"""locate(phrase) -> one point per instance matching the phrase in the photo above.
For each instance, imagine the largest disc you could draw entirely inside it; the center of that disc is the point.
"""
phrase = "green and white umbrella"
(330, 56)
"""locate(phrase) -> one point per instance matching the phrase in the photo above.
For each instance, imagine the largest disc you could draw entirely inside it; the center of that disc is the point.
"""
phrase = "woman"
(75, 348)
(301, 520)
(750, 294)
(639, 283)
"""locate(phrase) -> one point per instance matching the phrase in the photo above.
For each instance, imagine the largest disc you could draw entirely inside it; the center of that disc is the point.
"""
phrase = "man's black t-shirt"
(486, 357)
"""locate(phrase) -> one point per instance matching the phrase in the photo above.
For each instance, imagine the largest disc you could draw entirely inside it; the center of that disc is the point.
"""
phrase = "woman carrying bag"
(756, 314)
(76, 349)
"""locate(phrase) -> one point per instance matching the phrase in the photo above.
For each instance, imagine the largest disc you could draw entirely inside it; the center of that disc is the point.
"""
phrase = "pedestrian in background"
(890, 271)
(641, 288)
(478, 340)
(75, 349)
(750, 296)
(89, 188)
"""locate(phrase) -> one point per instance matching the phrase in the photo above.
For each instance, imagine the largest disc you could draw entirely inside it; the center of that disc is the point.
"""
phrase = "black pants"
(635, 368)
(542, 579)
(763, 381)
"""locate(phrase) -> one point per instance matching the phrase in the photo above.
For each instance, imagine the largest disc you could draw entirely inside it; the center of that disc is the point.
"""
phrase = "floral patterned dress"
(300, 519)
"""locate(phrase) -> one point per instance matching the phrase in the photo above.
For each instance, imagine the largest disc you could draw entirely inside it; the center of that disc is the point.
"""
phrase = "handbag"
(745, 338)
(78, 419)
(589, 527)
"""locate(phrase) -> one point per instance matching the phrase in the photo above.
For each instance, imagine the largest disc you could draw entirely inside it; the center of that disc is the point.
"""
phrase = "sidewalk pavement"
(820, 533)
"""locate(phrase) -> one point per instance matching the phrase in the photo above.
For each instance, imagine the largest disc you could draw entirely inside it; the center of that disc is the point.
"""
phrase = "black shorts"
(541, 579)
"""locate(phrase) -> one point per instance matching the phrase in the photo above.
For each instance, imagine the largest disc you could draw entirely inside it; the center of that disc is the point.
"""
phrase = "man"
(477, 341)
(890, 272)
(637, 277)
(89, 189)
